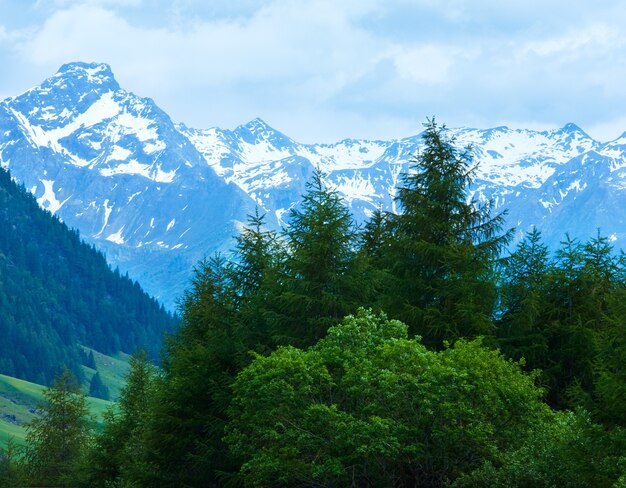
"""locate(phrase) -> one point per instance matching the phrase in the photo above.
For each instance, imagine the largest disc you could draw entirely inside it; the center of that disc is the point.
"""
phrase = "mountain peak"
(92, 73)
(570, 127)
(256, 125)
(257, 130)
(70, 91)
(79, 65)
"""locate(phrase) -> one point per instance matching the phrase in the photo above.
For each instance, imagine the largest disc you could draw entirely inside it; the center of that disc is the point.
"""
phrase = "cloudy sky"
(324, 70)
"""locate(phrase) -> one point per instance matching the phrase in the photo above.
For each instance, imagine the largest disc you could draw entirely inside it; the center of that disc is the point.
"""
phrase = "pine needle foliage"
(444, 246)
(322, 278)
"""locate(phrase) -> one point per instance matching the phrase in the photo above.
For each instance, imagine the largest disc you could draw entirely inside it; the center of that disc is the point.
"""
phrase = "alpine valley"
(156, 196)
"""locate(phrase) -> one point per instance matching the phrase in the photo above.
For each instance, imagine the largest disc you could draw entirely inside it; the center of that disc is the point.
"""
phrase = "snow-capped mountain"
(113, 165)
(156, 196)
(527, 172)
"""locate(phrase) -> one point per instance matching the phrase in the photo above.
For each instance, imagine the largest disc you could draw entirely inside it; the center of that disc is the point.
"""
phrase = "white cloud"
(592, 37)
(323, 67)
(424, 64)
(428, 64)
(11, 37)
(307, 51)
(66, 3)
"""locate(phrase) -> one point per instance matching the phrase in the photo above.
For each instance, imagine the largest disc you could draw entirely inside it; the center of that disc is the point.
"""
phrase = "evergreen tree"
(187, 418)
(585, 278)
(565, 318)
(97, 388)
(443, 248)
(118, 453)
(56, 440)
(375, 241)
(376, 237)
(523, 320)
(11, 466)
(323, 277)
(91, 361)
(252, 275)
(610, 364)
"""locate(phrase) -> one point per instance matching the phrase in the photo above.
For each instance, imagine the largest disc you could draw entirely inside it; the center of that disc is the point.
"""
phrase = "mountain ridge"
(157, 196)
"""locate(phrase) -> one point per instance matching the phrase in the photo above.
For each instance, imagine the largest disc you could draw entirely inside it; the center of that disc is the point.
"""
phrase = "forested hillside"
(57, 292)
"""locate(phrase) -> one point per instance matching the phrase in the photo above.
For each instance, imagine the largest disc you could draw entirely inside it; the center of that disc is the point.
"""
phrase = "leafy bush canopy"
(369, 406)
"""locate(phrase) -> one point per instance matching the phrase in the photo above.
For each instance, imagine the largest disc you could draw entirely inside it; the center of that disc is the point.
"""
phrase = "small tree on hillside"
(11, 467)
(97, 388)
(117, 452)
(55, 440)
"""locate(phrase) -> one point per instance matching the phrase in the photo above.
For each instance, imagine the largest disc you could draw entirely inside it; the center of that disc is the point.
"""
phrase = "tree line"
(414, 351)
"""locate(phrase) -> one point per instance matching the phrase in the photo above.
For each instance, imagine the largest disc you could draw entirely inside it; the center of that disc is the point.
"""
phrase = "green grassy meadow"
(19, 399)
(112, 370)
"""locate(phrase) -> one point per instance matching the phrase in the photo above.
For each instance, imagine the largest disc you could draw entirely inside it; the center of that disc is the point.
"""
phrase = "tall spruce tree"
(252, 275)
(608, 271)
(569, 375)
(564, 317)
(323, 278)
(186, 421)
(444, 248)
(375, 237)
(610, 363)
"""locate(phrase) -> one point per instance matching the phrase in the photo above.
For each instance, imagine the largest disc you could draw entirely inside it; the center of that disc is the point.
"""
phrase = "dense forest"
(57, 292)
(414, 351)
